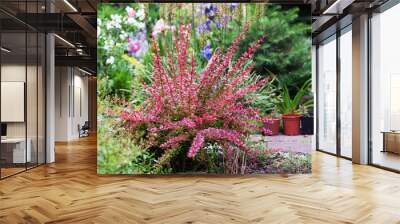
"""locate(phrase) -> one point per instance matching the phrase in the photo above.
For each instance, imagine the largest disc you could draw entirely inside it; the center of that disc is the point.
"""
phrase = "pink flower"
(159, 27)
(185, 105)
(209, 118)
(137, 45)
(173, 141)
(188, 123)
(131, 12)
(109, 111)
(230, 136)
(134, 46)
(153, 129)
(267, 131)
(197, 143)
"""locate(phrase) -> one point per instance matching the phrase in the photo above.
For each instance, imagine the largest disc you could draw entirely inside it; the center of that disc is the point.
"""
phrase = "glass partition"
(327, 95)
(346, 93)
(14, 153)
(22, 77)
(385, 89)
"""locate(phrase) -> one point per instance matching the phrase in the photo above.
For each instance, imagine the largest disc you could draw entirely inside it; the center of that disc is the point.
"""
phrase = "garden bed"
(298, 143)
(282, 162)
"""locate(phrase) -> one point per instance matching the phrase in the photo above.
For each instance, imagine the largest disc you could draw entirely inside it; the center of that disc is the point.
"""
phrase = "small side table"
(391, 141)
(15, 147)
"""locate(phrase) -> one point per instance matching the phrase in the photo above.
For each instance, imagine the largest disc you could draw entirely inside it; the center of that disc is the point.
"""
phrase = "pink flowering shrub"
(186, 108)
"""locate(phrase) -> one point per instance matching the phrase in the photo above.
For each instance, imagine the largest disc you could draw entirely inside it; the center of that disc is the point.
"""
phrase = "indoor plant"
(289, 108)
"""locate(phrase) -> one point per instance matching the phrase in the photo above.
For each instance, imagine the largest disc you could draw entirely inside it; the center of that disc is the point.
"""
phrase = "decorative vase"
(307, 125)
(291, 124)
(271, 126)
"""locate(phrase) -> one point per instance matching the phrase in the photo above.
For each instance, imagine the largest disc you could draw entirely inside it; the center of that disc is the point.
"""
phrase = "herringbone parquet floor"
(70, 191)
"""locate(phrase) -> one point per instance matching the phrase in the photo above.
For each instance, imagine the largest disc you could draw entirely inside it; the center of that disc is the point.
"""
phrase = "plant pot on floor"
(271, 126)
(307, 125)
(291, 124)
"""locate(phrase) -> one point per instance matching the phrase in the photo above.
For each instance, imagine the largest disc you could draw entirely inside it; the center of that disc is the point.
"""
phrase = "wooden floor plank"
(70, 191)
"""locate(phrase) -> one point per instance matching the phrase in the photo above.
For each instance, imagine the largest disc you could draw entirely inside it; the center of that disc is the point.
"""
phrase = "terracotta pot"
(291, 124)
(271, 126)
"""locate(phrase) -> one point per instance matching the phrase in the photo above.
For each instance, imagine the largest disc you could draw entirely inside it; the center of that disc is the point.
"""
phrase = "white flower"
(106, 47)
(139, 25)
(110, 60)
(159, 27)
(116, 18)
(123, 35)
(98, 31)
(109, 25)
(131, 20)
(108, 44)
(115, 22)
(140, 14)
(98, 22)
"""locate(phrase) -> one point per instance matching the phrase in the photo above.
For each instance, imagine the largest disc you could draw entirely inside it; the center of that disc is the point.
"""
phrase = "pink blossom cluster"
(174, 141)
(185, 122)
(185, 105)
(217, 134)
(136, 117)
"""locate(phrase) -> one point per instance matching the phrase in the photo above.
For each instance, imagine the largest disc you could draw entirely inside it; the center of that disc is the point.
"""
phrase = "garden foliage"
(192, 101)
(184, 106)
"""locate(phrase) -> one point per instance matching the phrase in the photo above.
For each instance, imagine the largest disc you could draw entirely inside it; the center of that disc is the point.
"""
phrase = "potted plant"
(265, 100)
(307, 120)
(272, 124)
(289, 108)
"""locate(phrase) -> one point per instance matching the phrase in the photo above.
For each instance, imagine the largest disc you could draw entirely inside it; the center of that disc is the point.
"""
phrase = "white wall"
(71, 94)
(16, 73)
(62, 81)
(79, 117)
(9, 73)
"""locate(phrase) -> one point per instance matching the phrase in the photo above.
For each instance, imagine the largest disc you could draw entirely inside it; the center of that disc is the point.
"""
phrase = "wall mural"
(204, 89)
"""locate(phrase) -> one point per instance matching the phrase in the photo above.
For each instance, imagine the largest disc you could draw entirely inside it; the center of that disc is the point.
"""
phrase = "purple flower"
(204, 26)
(210, 10)
(225, 20)
(207, 51)
(200, 28)
(218, 24)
